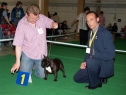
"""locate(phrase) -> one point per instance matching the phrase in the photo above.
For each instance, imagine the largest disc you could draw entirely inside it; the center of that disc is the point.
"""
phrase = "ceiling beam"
(43, 4)
(80, 6)
(98, 6)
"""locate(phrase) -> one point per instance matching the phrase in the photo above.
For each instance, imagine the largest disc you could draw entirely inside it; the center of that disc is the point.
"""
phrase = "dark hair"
(95, 13)
(55, 14)
(18, 3)
(4, 4)
(101, 12)
(86, 9)
(64, 21)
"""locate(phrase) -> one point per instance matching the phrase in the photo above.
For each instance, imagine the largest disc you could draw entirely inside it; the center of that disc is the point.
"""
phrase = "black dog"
(52, 66)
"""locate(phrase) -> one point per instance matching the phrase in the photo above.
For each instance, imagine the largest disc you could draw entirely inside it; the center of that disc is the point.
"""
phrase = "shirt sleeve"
(46, 21)
(79, 16)
(19, 36)
(5, 13)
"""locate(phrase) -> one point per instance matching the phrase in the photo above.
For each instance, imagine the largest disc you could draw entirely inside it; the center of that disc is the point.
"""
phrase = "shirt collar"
(95, 29)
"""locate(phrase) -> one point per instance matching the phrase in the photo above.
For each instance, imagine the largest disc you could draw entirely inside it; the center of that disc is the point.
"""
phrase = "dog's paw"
(45, 78)
(55, 79)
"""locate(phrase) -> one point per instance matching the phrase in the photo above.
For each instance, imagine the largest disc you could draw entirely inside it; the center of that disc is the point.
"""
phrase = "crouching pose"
(98, 64)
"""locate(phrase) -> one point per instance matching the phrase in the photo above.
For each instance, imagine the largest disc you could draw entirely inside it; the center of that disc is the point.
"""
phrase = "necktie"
(92, 46)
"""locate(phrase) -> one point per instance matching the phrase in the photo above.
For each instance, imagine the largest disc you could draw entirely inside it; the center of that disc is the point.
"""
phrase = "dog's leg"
(55, 76)
(46, 75)
(62, 69)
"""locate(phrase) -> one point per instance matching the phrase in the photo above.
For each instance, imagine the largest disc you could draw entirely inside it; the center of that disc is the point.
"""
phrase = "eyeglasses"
(33, 19)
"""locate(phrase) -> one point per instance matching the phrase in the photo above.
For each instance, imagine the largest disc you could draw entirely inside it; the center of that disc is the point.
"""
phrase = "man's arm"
(18, 42)
(49, 23)
(17, 63)
(6, 17)
(86, 57)
(76, 19)
(12, 15)
(18, 54)
(73, 21)
(22, 13)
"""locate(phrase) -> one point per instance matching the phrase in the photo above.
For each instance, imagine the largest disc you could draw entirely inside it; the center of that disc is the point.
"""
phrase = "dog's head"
(45, 62)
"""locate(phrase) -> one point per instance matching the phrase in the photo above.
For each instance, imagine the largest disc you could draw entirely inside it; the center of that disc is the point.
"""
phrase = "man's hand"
(10, 24)
(15, 67)
(83, 65)
(54, 25)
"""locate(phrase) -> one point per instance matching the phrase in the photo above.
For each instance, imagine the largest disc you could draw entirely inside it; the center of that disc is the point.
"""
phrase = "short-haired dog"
(52, 66)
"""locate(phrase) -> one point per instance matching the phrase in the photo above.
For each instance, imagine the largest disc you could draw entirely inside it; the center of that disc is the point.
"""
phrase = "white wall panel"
(65, 13)
(70, 12)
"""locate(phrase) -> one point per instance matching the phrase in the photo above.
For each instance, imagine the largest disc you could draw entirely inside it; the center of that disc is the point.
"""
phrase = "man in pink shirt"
(101, 18)
(30, 41)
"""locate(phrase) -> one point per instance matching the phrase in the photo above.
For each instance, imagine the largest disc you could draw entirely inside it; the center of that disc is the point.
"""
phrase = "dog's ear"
(44, 56)
(43, 63)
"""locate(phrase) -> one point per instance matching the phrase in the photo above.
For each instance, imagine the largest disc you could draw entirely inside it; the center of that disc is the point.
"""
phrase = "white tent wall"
(66, 13)
(69, 13)
(68, 9)
(120, 13)
(12, 3)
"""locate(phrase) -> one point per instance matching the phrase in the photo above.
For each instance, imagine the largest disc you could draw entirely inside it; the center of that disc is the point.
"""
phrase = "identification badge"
(40, 31)
(88, 50)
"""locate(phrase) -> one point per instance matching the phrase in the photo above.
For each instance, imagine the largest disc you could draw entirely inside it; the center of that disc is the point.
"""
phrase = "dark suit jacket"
(104, 50)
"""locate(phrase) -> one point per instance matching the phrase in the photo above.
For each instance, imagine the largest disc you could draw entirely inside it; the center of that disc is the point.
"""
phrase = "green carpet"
(72, 58)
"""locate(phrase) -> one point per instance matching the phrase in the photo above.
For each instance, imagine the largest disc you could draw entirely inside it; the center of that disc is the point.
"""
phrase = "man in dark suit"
(98, 64)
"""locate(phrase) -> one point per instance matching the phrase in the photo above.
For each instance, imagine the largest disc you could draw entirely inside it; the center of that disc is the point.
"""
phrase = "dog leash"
(49, 50)
(50, 47)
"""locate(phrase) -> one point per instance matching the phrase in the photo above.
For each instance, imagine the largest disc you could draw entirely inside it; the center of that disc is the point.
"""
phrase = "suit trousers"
(90, 74)
(83, 37)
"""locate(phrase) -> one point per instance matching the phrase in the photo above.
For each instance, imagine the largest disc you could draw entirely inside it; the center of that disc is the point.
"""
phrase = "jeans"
(83, 37)
(16, 20)
(27, 66)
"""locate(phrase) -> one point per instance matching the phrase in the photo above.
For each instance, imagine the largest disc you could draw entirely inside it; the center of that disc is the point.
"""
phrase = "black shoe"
(91, 88)
(104, 80)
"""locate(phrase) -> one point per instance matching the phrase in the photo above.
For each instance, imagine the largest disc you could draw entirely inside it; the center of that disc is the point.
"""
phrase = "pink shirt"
(124, 29)
(102, 20)
(32, 42)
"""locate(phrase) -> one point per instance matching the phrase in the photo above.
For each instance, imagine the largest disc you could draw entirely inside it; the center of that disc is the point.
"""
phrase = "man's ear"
(26, 14)
(97, 19)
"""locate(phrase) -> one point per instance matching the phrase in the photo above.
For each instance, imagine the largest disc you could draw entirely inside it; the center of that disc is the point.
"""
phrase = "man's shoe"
(104, 80)
(91, 88)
